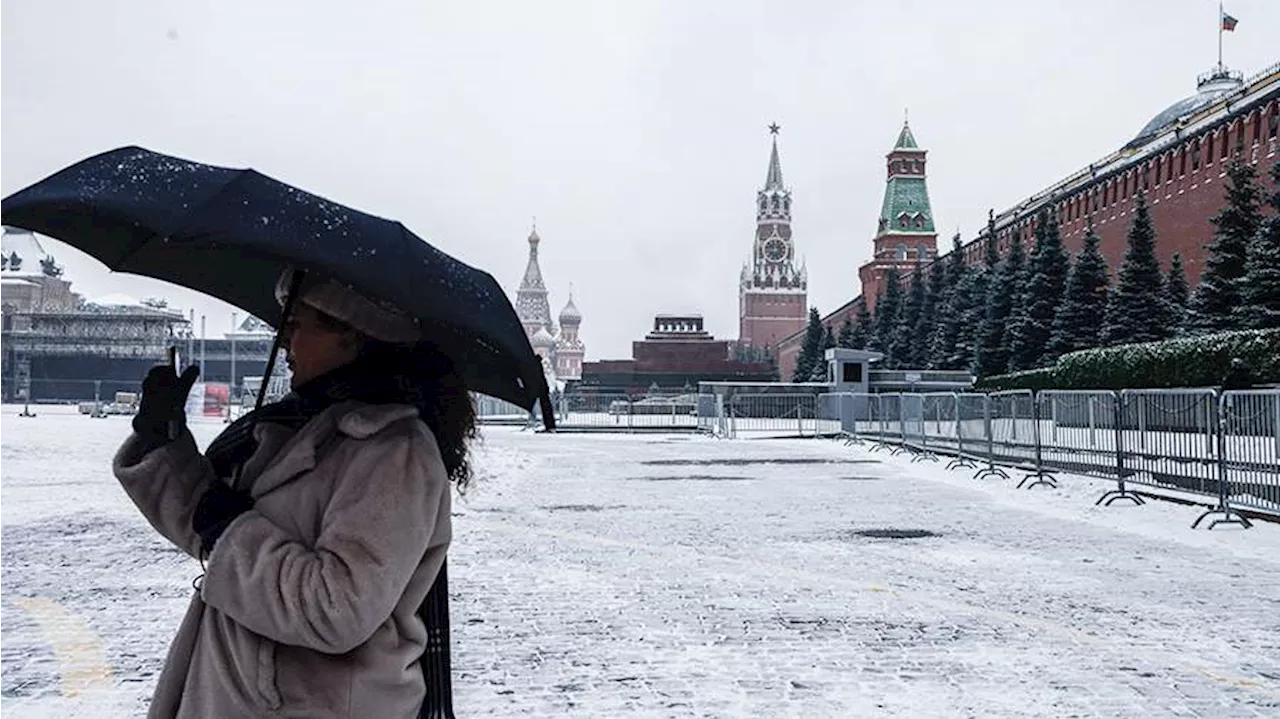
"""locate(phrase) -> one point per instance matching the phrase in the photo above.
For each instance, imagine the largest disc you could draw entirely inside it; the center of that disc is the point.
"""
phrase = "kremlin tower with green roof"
(905, 234)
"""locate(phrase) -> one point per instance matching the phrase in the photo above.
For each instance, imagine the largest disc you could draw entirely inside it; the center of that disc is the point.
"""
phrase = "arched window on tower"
(775, 202)
(1195, 155)
(1273, 125)
(786, 204)
(1182, 162)
(919, 221)
(1208, 149)
(1226, 142)
(902, 221)
(1240, 135)
(900, 252)
(1257, 127)
(764, 203)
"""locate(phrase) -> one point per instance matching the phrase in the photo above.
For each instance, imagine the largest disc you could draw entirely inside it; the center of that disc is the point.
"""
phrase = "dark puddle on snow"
(749, 462)
(691, 477)
(889, 533)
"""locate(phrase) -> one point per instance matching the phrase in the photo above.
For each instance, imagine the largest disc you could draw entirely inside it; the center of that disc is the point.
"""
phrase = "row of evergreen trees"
(1021, 312)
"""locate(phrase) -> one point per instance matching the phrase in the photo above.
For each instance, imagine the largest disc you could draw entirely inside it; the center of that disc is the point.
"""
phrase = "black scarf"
(377, 377)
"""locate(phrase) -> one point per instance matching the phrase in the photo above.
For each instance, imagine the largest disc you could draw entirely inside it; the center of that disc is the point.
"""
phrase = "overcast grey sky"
(634, 131)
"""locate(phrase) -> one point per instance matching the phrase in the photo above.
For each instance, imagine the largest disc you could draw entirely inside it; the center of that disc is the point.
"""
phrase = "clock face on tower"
(775, 249)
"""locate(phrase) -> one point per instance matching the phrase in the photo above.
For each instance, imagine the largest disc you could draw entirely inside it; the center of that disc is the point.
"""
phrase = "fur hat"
(379, 320)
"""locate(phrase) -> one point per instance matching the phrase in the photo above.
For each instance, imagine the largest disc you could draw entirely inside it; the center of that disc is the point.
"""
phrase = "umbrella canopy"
(229, 233)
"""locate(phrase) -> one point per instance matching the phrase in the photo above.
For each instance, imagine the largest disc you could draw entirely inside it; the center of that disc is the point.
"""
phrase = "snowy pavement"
(674, 575)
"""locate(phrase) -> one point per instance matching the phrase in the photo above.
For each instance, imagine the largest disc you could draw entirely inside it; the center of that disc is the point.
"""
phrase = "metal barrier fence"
(1224, 445)
(772, 414)
(604, 411)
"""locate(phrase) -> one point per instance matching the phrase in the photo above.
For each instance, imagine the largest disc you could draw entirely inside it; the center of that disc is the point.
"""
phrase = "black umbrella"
(230, 233)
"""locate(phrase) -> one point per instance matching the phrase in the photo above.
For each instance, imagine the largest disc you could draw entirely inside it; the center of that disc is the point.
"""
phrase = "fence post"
(960, 459)
(1041, 476)
(1120, 399)
(1093, 431)
(955, 405)
(1229, 516)
(991, 470)
(1121, 491)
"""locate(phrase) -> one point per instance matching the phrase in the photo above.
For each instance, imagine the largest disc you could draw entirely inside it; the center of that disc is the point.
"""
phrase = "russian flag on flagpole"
(1228, 23)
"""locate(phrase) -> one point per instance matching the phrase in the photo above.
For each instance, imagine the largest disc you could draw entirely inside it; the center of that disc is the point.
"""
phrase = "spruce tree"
(862, 326)
(810, 349)
(967, 311)
(1136, 309)
(905, 347)
(1260, 306)
(1176, 294)
(888, 305)
(819, 373)
(972, 330)
(935, 291)
(1076, 324)
(950, 307)
(1046, 277)
(845, 339)
(991, 254)
(1217, 296)
(1002, 298)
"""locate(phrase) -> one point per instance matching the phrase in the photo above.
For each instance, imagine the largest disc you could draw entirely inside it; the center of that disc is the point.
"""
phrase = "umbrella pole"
(287, 310)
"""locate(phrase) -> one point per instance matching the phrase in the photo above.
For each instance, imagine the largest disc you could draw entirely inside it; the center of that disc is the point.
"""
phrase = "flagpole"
(1220, 15)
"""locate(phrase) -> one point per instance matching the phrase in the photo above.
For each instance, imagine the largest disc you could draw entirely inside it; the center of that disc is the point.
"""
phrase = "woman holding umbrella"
(323, 519)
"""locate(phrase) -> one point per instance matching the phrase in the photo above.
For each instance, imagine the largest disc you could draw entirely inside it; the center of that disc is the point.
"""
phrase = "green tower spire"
(906, 208)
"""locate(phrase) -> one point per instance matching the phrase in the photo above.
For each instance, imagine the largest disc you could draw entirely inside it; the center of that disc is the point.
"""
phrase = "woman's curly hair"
(431, 382)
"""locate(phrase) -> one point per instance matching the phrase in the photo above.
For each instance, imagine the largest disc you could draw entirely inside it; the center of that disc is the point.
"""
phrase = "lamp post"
(232, 394)
(202, 319)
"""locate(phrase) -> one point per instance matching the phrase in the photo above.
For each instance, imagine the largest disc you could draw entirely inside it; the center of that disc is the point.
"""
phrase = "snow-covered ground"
(675, 575)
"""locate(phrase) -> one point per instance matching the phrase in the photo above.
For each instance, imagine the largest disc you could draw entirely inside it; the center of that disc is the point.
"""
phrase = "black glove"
(217, 508)
(164, 394)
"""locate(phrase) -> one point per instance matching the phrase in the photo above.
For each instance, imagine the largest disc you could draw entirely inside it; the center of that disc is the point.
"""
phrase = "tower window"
(1195, 155)
(1159, 163)
(1226, 142)
(1257, 127)
(1208, 150)
(919, 222)
(763, 203)
(1182, 162)
(902, 221)
(1274, 124)
(900, 252)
